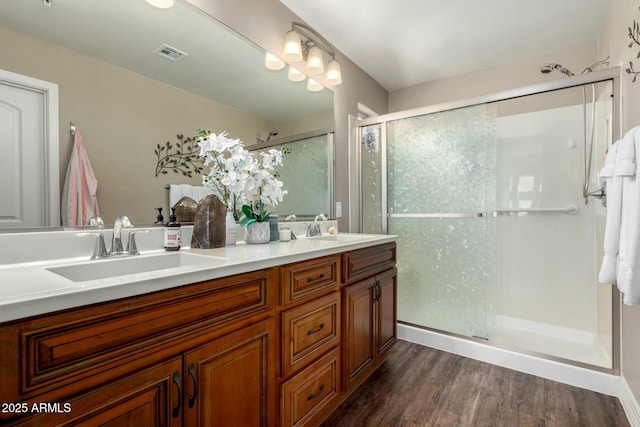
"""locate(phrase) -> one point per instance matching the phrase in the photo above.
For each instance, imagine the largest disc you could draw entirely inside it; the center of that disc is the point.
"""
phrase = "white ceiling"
(406, 42)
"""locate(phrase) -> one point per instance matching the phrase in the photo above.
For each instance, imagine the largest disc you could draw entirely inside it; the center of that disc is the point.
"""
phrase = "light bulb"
(333, 76)
(314, 86)
(292, 47)
(295, 75)
(161, 4)
(272, 62)
(315, 65)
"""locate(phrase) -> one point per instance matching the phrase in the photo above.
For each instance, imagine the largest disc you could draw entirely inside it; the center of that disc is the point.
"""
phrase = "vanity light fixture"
(161, 4)
(303, 43)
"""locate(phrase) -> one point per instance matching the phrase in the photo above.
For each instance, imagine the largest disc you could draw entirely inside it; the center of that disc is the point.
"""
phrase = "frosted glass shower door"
(441, 184)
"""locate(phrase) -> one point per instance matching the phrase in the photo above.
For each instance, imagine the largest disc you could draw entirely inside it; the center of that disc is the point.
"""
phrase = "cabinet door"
(359, 350)
(230, 382)
(150, 398)
(386, 314)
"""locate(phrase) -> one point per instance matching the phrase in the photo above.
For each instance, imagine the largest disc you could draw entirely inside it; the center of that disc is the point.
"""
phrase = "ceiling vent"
(170, 53)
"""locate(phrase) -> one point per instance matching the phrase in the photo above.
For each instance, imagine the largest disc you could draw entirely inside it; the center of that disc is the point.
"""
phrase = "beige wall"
(614, 41)
(266, 22)
(317, 121)
(500, 78)
(122, 116)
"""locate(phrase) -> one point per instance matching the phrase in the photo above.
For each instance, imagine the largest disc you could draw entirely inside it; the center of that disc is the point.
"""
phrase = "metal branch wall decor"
(183, 158)
(634, 35)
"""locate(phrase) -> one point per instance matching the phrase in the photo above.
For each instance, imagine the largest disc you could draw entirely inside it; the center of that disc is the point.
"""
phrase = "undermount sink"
(346, 238)
(116, 267)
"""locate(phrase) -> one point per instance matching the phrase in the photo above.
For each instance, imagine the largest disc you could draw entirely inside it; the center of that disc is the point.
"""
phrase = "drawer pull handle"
(176, 380)
(192, 373)
(315, 331)
(318, 394)
(313, 279)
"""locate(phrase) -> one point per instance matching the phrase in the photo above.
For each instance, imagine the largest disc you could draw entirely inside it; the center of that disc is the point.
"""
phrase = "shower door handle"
(438, 215)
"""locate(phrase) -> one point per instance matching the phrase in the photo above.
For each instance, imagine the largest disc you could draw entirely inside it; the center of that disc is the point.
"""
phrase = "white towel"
(623, 220)
(613, 221)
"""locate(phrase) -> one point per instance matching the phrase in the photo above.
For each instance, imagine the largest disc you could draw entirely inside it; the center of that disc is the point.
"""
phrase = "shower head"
(595, 64)
(546, 69)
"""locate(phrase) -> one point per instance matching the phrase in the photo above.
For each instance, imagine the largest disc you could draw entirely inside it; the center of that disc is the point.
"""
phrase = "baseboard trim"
(573, 375)
(629, 403)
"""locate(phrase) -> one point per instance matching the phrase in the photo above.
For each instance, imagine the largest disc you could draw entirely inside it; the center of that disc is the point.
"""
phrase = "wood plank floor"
(420, 386)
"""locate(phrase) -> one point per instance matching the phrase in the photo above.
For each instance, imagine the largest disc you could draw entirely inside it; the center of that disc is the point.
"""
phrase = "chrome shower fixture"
(546, 69)
(271, 134)
(595, 64)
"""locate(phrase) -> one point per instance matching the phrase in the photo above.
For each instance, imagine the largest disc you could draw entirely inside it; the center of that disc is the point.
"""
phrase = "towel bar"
(569, 209)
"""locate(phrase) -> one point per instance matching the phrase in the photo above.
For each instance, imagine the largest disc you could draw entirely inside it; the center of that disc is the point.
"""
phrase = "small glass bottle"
(231, 228)
(173, 233)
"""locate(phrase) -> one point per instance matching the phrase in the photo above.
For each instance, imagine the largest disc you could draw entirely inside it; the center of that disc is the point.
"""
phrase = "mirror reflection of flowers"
(238, 178)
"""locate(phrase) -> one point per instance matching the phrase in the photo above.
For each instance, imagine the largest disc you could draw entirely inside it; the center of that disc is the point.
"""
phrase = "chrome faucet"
(121, 222)
(314, 229)
(100, 249)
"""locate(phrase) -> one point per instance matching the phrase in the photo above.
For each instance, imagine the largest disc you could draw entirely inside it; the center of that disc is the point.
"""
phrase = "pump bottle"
(173, 233)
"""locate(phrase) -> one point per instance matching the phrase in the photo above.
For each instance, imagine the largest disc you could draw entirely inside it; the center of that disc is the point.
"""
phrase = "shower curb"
(600, 382)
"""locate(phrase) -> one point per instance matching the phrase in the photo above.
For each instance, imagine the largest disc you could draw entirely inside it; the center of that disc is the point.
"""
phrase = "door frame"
(51, 150)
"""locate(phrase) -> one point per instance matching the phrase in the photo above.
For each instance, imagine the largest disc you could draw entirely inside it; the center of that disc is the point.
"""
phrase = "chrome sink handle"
(100, 249)
(132, 248)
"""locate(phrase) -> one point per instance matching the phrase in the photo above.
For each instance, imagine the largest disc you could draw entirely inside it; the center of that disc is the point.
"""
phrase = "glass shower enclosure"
(496, 241)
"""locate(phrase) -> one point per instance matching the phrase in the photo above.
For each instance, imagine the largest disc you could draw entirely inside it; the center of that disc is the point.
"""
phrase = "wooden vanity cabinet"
(279, 346)
(200, 354)
(309, 314)
(229, 382)
(316, 375)
(369, 312)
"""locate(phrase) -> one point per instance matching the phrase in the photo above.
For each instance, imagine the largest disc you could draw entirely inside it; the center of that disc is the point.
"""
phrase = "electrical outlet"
(338, 209)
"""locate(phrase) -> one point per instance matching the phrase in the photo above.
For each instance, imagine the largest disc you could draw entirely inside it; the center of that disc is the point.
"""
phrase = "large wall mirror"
(308, 170)
(125, 99)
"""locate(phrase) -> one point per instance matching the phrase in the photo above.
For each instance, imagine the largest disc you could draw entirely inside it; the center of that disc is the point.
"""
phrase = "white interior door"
(29, 153)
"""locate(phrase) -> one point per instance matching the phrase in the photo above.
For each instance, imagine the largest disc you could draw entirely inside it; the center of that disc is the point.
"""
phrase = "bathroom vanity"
(250, 335)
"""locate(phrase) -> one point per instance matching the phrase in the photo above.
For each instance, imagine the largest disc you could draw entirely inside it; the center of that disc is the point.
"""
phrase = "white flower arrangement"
(237, 178)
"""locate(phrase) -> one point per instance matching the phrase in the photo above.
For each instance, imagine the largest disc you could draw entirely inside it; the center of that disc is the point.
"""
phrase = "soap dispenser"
(173, 233)
(159, 218)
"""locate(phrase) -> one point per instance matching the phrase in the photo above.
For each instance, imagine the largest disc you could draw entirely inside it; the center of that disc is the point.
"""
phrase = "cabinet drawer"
(68, 349)
(305, 395)
(308, 331)
(363, 263)
(305, 280)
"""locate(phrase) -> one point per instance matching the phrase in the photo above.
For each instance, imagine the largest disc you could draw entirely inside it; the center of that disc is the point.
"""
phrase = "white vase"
(258, 232)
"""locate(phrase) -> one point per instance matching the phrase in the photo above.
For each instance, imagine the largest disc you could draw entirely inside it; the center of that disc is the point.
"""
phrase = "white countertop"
(29, 288)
